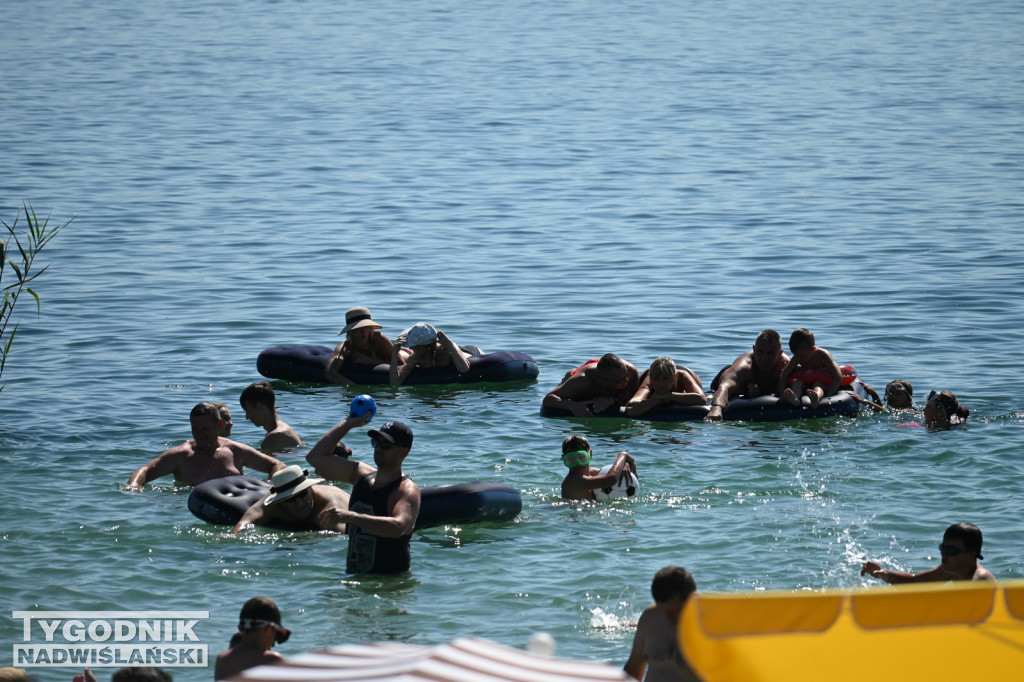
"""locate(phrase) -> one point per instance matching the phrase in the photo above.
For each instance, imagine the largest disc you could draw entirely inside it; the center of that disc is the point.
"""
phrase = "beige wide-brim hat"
(289, 482)
(358, 317)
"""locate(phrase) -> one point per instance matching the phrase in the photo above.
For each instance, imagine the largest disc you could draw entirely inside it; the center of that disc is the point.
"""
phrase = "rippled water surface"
(562, 179)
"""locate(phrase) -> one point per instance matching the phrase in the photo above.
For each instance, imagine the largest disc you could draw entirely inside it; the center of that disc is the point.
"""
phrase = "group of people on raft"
(764, 370)
(599, 384)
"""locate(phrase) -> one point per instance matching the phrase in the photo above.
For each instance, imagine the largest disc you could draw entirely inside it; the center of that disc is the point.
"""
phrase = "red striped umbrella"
(463, 660)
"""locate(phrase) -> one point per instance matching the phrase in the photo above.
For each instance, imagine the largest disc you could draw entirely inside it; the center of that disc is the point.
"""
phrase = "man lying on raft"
(206, 457)
(297, 501)
(752, 374)
(595, 386)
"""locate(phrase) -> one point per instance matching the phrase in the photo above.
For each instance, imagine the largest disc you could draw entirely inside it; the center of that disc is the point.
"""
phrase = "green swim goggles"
(575, 459)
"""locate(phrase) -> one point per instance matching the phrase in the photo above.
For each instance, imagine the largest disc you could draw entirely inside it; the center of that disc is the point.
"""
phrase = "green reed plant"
(17, 255)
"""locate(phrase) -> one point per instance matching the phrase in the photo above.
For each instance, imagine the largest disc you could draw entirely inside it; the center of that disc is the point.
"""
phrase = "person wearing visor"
(364, 344)
(295, 501)
(595, 386)
(259, 628)
(583, 479)
(384, 503)
(431, 349)
(960, 550)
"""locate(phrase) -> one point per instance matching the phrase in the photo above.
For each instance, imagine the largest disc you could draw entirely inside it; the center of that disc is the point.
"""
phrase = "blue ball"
(363, 404)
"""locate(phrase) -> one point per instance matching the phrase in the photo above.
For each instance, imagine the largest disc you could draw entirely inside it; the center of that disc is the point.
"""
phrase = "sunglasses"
(950, 550)
(381, 443)
(281, 634)
(575, 459)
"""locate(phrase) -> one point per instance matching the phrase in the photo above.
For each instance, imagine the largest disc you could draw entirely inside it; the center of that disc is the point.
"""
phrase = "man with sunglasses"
(384, 503)
(960, 550)
(295, 502)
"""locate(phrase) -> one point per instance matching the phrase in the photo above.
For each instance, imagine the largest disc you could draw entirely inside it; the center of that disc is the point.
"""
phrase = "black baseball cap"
(394, 432)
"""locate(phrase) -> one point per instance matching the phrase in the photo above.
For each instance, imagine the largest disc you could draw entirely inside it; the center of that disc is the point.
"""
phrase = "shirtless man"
(296, 500)
(384, 504)
(754, 373)
(656, 643)
(583, 479)
(206, 457)
(665, 383)
(595, 386)
(960, 550)
(259, 403)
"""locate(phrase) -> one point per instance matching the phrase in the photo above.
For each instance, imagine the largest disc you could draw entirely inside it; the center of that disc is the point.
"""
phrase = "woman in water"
(363, 345)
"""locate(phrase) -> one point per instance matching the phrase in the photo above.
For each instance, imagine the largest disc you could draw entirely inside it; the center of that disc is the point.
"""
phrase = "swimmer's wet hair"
(671, 582)
(575, 442)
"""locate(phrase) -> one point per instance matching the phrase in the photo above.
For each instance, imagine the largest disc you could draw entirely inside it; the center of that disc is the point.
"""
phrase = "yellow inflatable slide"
(909, 632)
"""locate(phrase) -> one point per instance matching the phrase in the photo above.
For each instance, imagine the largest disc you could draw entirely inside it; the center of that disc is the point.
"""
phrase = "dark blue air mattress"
(222, 501)
(767, 408)
(308, 364)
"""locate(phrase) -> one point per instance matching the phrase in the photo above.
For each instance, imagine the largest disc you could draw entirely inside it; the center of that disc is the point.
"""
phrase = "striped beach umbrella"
(462, 660)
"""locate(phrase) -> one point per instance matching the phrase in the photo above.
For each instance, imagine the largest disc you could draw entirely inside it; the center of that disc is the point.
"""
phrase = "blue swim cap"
(363, 404)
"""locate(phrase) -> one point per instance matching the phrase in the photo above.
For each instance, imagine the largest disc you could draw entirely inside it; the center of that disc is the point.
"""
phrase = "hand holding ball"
(363, 405)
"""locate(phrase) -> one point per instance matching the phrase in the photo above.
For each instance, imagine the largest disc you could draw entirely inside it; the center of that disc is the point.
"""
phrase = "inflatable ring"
(222, 501)
(308, 364)
(767, 408)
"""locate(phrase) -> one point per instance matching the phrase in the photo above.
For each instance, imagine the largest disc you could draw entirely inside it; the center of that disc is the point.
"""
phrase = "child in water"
(583, 479)
(809, 368)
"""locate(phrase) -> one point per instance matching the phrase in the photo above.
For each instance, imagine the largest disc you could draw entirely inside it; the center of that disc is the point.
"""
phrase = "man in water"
(960, 550)
(656, 643)
(260, 405)
(296, 501)
(752, 374)
(595, 386)
(384, 504)
(206, 457)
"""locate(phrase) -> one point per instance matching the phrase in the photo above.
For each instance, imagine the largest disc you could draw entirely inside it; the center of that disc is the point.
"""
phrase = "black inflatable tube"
(308, 364)
(767, 408)
(222, 502)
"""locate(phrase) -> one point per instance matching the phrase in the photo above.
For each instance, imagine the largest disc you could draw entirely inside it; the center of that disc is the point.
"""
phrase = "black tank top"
(369, 553)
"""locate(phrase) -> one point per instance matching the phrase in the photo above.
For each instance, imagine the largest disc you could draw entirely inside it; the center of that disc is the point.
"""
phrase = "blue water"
(563, 179)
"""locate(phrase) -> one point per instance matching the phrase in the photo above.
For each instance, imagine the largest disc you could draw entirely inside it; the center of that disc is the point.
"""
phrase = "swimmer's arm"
(459, 357)
(641, 402)
(558, 398)
(400, 370)
(254, 459)
(837, 375)
(333, 372)
(322, 458)
(164, 465)
(786, 372)
(623, 462)
(636, 664)
(720, 398)
(401, 521)
(900, 577)
(257, 514)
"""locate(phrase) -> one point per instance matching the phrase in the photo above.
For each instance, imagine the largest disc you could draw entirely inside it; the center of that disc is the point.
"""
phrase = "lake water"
(563, 179)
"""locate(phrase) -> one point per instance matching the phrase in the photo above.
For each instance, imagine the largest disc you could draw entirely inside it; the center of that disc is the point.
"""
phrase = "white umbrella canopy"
(462, 660)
